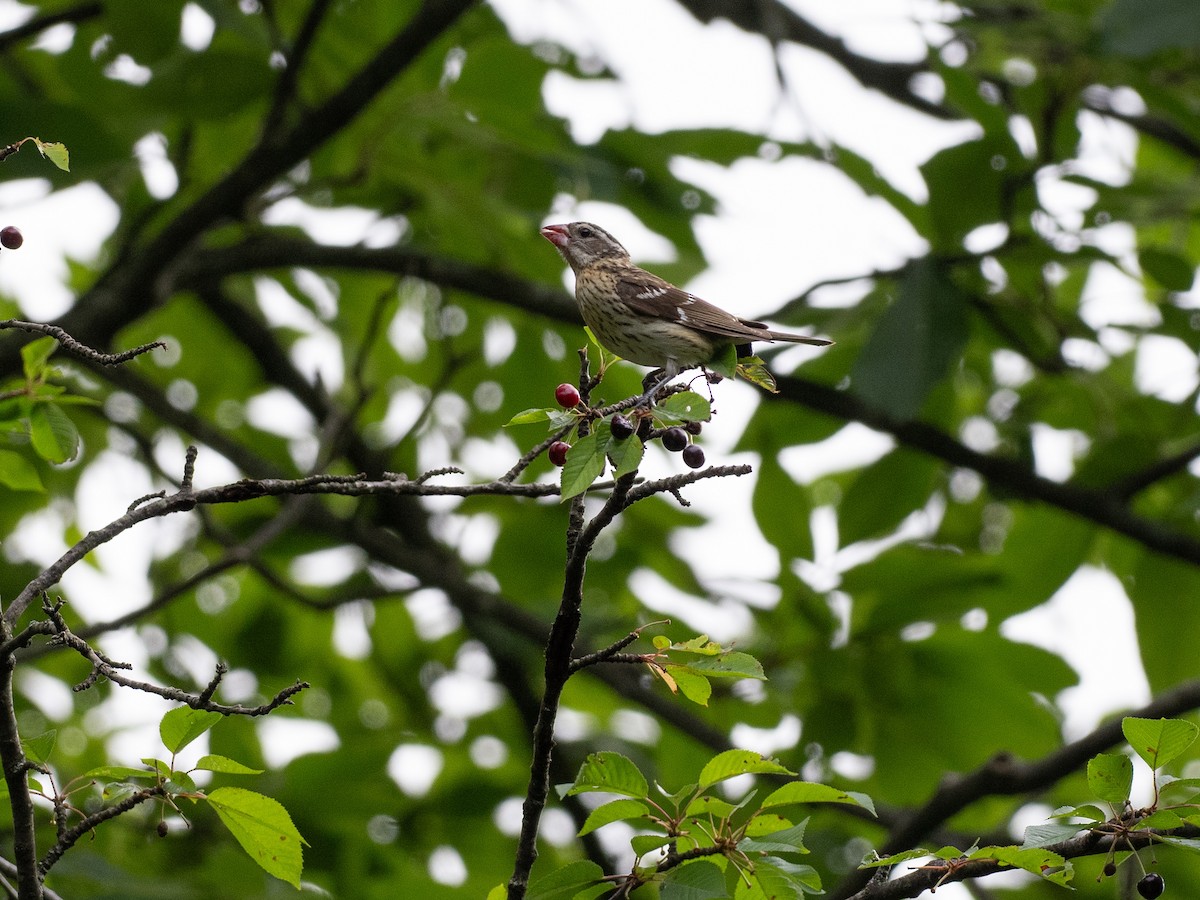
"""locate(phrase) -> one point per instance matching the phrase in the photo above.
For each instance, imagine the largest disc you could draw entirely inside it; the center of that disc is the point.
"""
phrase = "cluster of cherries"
(674, 438)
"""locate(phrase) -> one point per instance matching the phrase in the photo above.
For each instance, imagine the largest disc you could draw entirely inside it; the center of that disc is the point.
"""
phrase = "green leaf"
(531, 416)
(696, 880)
(732, 763)
(116, 773)
(789, 840)
(885, 493)
(1045, 835)
(904, 856)
(182, 725)
(614, 811)
(55, 152)
(18, 473)
(607, 357)
(625, 455)
(566, 883)
(755, 371)
(1110, 776)
(642, 844)
(1036, 860)
(781, 509)
(585, 463)
(1192, 844)
(914, 343)
(35, 355)
(734, 664)
(612, 772)
(39, 748)
(810, 792)
(694, 687)
(775, 879)
(1158, 741)
(711, 807)
(725, 363)
(264, 829)
(686, 406)
(214, 763)
(1169, 269)
(52, 433)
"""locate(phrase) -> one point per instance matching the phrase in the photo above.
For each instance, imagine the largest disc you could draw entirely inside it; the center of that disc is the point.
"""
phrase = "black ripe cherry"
(621, 427)
(693, 456)
(692, 427)
(558, 452)
(11, 237)
(1110, 869)
(674, 439)
(567, 396)
(1151, 885)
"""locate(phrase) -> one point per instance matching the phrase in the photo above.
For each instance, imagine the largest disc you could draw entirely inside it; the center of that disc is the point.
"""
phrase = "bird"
(644, 318)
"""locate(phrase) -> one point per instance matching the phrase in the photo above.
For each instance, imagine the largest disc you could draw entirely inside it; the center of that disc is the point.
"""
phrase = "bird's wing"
(646, 293)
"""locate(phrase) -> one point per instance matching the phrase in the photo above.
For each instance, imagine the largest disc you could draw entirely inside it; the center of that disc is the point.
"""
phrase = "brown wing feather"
(646, 293)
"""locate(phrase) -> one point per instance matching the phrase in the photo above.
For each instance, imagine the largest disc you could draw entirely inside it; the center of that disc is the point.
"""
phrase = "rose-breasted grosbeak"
(645, 319)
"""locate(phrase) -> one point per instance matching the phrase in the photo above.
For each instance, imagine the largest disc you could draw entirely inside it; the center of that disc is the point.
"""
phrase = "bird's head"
(582, 243)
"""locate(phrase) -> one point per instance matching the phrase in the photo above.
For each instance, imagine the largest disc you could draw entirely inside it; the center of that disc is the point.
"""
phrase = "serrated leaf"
(787, 840)
(767, 823)
(182, 725)
(734, 664)
(732, 763)
(39, 748)
(1192, 844)
(905, 856)
(693, 686)
(35, 355)
(585, 463)
(777, 878)
(1163, 819)
(1086, 811)
(625, 455)
(116, 773)
(686, 406)
(565, 883)
(612, 772)
(811, 792)
(52, 433)
(696, 880)
(56, 152)
(215, 763)
(1038, 861)
(1158, 741)
(1046, 834)
(264, 829)
(642, 844)
(699, 644)
(753, 370)
(614, 811)
(530, 416)
(1110, 776)
(711, 806)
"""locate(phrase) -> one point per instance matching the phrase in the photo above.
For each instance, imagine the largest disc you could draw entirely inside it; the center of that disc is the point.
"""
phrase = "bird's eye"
(585, 232)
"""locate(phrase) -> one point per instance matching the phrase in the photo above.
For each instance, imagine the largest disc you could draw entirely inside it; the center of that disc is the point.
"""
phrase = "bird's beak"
(557, 235)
